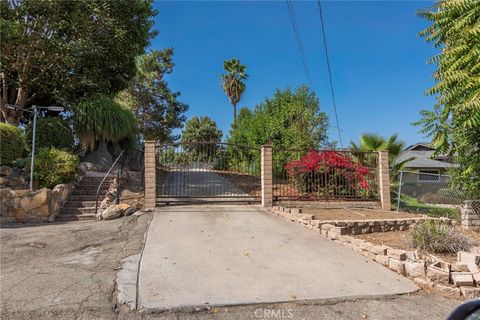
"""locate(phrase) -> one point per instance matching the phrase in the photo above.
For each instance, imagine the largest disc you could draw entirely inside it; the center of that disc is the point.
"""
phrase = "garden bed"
(356, 214)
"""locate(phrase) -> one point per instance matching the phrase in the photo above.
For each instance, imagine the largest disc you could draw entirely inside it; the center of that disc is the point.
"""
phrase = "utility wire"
(299, 42)
(330, 73)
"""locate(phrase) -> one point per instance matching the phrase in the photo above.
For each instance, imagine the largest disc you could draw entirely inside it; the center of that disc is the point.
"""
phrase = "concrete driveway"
(198, 183)
(230, 255)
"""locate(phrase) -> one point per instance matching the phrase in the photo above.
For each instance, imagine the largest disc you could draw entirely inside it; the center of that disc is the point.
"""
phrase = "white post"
(399, 193)
(32, 163)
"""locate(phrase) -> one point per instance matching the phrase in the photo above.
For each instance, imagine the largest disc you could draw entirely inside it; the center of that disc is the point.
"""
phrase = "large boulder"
(101, 158)
(114, 211)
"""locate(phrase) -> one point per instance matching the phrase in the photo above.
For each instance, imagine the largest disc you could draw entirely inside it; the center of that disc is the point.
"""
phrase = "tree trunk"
(234, 112)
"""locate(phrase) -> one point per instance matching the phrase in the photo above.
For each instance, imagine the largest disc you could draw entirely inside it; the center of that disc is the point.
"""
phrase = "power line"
(329, 73)
(299, 42)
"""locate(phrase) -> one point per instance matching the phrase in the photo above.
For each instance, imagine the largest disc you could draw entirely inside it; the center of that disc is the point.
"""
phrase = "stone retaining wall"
(348, 227)
(33, 206)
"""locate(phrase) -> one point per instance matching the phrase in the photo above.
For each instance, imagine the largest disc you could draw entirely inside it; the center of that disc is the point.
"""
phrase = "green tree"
(370, 142)
(55, 50)
(233, 82)
(454, 122)
(289, 120)
(201, 129)
(51, 132)
(101, 119)
(148, 96)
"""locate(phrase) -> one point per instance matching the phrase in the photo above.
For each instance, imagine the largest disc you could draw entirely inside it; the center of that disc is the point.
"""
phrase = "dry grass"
(439, 237)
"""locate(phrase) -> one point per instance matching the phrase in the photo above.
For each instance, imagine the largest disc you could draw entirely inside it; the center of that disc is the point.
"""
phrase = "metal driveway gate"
(207, 171)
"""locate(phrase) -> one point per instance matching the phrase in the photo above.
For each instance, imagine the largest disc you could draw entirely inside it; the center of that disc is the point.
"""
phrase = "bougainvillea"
(329, 173)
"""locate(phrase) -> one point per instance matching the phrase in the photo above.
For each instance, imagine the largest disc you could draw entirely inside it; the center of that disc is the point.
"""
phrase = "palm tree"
(233, 82)
(373, 142)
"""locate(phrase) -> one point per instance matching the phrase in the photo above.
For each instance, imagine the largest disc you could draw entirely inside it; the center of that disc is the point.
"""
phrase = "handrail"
(103, 180)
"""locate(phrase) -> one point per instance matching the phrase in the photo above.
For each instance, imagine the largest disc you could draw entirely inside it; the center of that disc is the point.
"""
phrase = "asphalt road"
(65, 271)
(236, 254)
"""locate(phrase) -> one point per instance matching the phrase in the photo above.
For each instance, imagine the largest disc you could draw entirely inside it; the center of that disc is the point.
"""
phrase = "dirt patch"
(357, 214)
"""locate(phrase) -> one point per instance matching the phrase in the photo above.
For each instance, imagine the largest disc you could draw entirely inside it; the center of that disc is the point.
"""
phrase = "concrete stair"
(80, 205)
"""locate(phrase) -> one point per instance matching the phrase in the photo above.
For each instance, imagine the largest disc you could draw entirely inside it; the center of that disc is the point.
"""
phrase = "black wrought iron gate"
(207, 171)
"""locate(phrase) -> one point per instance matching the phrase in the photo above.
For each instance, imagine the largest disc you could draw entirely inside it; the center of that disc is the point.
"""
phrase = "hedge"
(11, 144)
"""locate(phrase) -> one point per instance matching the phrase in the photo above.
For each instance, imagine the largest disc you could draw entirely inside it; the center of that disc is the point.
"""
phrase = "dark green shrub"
(437, 236)
(51, 132)
(11, 144)
(54, 166)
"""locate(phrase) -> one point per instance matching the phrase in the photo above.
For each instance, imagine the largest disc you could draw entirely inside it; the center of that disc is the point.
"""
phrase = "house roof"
(421, 146)
(423, 159)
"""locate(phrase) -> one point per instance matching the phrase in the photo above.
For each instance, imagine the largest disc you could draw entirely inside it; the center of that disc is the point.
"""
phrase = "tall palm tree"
(233, 82)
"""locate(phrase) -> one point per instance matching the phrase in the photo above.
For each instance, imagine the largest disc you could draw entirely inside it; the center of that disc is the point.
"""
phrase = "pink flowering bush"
(330, 173)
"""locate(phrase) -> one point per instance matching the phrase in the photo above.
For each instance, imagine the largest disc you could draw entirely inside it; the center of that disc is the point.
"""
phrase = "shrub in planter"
(11, 144)
(330, 173)
(54, 166)
(437, 236)
(51, 132)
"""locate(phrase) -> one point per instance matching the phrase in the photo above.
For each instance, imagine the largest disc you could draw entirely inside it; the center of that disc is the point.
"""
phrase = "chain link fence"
(425, 193)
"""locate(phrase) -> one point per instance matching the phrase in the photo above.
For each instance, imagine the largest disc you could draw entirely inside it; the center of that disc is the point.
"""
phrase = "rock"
(37, 200)
(131, 210)
(415, 269)
(383, 260)
(468, 257)
(462, 279)
(381, 250)
(112, 212)
(424, 283)
(438, 274)
(397, 254)
(101, 158)
(459, 267)
(447, 290)
(470, 292)
(396, 265)
(6, 171)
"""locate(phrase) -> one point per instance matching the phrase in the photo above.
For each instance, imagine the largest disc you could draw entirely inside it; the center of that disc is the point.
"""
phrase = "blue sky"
(379, 64)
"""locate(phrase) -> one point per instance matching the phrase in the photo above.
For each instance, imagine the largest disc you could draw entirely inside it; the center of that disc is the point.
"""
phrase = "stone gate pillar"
(150, 178)
(266, 176)
(384, 180)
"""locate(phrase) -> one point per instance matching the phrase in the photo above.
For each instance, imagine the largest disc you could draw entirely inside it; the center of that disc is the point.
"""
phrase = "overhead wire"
(299, 42)
(330, 73)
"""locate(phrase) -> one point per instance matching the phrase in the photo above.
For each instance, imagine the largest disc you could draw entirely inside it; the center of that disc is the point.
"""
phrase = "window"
(428, 175)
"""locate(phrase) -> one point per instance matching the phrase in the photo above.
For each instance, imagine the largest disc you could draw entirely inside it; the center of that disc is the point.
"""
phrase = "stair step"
(73, 210)
(88, 192)
(82, 188)
(83, 197)
(75, 217)
(82, 203)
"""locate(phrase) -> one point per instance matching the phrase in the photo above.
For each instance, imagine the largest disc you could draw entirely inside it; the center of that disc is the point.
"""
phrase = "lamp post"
(34, 110)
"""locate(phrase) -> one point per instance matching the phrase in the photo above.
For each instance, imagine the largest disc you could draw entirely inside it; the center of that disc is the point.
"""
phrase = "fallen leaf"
(246, 253)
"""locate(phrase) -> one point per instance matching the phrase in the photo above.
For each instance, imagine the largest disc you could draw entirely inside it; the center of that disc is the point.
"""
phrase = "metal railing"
(207, 170)
(324, 175)
(105, 177)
